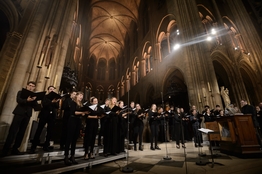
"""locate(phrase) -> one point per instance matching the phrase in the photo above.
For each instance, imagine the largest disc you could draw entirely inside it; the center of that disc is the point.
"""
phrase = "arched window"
(101, 70)
(151, 60)
(111, 91)
(112, 67)
(91, 67)
(147, 66)
(164, 49)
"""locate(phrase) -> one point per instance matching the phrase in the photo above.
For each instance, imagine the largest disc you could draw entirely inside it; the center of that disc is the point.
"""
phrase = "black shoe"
(196, 145)
(140, 148)
(157, 148)
(66, 161)
(16, 152)
(134, 148)
(151, 148)
(200, 145)
(46, 149)
(183, 145)
(72, 159)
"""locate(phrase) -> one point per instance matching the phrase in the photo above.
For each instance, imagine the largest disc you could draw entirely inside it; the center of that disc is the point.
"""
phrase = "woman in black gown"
(111, 129)
(138, 126)
(153, 117)
(92, 128)
(73, 127)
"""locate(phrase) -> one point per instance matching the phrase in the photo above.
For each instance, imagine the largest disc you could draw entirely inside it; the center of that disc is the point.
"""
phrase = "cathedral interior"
(177, 52)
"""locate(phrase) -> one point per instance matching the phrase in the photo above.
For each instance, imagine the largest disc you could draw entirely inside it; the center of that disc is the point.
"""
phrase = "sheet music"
(205, 130)
(93, 107)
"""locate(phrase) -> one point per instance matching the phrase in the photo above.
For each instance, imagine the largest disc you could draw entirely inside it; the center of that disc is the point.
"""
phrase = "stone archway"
(249, 87)
(175, 90)
(223, 80)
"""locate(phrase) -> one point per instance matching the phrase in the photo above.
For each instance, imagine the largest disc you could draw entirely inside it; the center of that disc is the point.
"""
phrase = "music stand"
(127, 169)
(209, 132)
(165, 129)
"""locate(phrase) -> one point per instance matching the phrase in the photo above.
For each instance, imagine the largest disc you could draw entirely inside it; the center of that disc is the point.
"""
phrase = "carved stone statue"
(225, 95)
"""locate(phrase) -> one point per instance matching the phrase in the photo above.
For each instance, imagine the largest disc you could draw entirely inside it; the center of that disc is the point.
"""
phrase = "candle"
(208, 85)
(48, 71)
(41, 60)
(199, 99)
(55, 80)
(204, 92)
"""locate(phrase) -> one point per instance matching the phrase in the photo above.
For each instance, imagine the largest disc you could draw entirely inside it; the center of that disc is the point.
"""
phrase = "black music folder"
(52, 95)
(116, 108)
(26, 93)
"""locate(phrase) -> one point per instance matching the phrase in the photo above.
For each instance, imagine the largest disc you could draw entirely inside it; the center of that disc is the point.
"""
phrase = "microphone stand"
(183, 140)
(127, 169)
(166, 157)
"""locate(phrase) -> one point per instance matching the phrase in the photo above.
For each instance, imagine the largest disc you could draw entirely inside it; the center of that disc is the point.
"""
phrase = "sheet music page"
(205, 130)
(93, 106)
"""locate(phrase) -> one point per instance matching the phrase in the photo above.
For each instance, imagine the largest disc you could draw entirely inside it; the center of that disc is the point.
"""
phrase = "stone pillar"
(133, 78)
(122, 90)
(143, 68)
(18, 80)
(168, 42)
(128, 84)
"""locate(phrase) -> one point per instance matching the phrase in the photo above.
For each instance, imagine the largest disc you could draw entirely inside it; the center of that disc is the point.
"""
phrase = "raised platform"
(51, 162)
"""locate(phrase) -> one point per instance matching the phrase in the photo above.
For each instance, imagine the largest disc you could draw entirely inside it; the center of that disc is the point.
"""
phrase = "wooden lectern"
(238, 134)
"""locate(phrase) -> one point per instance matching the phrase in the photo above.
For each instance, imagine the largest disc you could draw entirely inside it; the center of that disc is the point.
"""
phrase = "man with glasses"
(22, 114)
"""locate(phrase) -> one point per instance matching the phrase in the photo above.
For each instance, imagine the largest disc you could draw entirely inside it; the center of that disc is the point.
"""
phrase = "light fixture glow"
(209, 38)
(213, 31)
(176, 46)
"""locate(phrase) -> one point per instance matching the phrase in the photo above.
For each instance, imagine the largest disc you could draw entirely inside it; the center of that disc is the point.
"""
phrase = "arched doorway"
(223, 80)
(249, 87)
(175, 90)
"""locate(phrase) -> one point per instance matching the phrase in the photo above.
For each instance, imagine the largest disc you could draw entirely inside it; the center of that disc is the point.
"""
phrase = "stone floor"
(184, 161)
(148, 161)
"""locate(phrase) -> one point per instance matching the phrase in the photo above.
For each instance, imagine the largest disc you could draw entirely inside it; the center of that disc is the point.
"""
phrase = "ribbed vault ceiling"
(110, 24)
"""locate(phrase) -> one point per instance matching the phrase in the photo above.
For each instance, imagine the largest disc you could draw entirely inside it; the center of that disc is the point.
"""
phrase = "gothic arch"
(250, 78)
(249, 86)
(174, 88)
(163, 23)
(204, 11)
(145, 49)
(11, 13)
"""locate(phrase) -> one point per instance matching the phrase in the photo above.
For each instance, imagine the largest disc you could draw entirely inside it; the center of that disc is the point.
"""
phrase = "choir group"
(113, 120)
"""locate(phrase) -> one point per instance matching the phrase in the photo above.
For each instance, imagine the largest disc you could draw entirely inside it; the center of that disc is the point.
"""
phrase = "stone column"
(143, 68)
(18, 80)
(133, 78)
